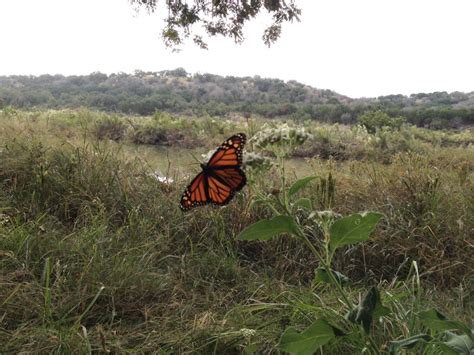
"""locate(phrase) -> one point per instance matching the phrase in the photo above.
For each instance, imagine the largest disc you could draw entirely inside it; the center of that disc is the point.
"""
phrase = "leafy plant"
(294, 216)
(376, 120)
(441, 338)
(95, 256)
(311, 339)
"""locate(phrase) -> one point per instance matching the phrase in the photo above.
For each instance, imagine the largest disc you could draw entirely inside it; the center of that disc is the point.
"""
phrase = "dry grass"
(95, 255)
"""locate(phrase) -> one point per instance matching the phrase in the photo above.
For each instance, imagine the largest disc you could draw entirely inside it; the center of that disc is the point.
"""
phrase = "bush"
(149, 135)
(110, 128)
(375, 120)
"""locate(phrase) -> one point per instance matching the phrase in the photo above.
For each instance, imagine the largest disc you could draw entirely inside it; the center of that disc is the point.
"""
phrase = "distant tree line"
(177, 91)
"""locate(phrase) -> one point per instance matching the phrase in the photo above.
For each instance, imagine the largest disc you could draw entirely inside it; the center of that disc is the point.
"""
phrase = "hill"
(177, 91)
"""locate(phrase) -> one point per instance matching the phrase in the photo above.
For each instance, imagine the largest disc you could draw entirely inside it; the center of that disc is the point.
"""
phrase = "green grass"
(95, 255)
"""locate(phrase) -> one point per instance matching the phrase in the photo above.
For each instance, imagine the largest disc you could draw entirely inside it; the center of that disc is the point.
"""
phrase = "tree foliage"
(177, 91)
(218, 17)
(374, 120)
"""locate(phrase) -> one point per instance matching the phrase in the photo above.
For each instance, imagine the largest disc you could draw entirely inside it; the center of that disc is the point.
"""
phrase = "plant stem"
(326, 267)
(283, 182)
(374, 346)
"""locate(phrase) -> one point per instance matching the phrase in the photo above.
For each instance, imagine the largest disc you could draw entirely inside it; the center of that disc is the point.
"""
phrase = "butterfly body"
(220, 178)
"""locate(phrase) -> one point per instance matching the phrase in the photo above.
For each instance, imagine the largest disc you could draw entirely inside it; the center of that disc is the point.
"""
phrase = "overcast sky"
(354, 47)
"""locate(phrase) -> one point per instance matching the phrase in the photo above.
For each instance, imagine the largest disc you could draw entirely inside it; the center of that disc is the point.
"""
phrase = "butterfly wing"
(225, 175)
(229, 153)
(221, 177)
(223, 183)
(233, 177)
(196, 193)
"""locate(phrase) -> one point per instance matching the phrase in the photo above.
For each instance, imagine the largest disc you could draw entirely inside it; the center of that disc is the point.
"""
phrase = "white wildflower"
(282, 135)
(157, 175)
(247, 333)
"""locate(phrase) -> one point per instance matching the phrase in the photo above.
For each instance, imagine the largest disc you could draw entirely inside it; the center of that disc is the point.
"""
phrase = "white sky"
(355, 47)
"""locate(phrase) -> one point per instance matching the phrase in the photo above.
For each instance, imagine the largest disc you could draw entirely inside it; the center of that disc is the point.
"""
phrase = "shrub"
(375, 120)
(110, 128)
(149, 135)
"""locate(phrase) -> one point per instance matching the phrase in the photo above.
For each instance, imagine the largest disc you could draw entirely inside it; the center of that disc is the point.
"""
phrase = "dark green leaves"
(438, 321)
(408, 343)
(310, 340)
(369, 308)
(225, 18)
(434, 320)
(299, 184)
(304, 203)
(321, 275)
(267, 229)
(459, 344)
(353, 229)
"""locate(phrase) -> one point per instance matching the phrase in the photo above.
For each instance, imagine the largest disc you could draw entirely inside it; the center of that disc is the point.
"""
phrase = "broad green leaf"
(321, 275)
(408, 343)
(269, 228)
(304, 203)
(371, 307)
(380, 310)
(445, 350)
(353, 229)
(299, 184)
(250, 349)
(308, 341)
(461, 344)
(438, 321)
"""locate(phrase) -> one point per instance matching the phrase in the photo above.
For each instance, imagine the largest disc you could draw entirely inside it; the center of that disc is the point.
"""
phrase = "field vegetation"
(96, 256)
(179, 92)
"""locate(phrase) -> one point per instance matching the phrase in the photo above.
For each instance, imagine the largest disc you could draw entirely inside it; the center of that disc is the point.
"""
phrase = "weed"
(95, 255)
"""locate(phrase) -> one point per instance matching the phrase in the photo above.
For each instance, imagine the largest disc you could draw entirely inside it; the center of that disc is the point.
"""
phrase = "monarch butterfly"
(220, 178)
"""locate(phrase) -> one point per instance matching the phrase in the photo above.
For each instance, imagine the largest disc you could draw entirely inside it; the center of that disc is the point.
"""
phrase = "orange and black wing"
(229, 154)
(205, 189)
(231, 177)
(225, 176)
(222, 184)
(196, 193)
(221, 177)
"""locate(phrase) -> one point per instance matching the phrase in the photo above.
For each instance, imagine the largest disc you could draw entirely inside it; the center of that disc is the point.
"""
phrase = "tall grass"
(95, 255)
